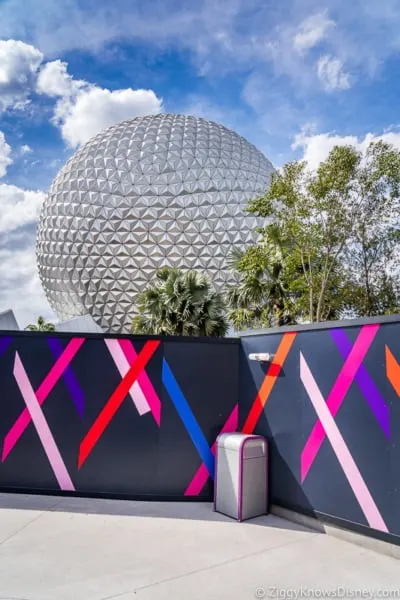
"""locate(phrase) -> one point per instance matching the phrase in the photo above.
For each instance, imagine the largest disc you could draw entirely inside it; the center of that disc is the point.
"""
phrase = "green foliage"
(261, 298)
(41, 325)
(326, 243)
(376, 235)
(181, 304)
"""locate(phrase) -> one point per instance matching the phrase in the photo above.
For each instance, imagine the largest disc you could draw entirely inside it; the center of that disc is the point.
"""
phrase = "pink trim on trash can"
(215, 475)
(240, 486)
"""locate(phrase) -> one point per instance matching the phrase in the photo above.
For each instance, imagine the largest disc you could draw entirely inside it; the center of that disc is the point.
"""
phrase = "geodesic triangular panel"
(153, 191)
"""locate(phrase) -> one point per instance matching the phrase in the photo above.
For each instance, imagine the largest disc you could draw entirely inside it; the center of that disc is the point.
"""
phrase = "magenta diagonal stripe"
(339, 446)
(42, 393)
(338, 393)
(41, 426)
(365, 383)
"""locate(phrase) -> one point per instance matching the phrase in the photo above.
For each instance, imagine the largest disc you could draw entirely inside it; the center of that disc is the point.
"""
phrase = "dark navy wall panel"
(92, 436)
(95, 432)
(354, 476)
(211, 398)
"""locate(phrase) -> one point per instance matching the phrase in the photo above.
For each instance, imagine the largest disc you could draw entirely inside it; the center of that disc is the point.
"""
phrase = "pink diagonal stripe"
(144, 381)
(341, 450)
(338, 393)
(123, 367)
(200, 478)
(43, 391)
(41, 426)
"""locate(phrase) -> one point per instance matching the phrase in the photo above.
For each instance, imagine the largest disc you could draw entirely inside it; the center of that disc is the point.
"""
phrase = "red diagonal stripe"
(115, 401)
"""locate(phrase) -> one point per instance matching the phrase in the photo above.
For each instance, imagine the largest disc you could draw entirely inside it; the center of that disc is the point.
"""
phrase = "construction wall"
(75, 415)
(329, 404)
(138, 417)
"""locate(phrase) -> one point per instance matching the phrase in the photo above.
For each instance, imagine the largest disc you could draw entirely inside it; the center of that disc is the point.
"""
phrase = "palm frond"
(181, 304)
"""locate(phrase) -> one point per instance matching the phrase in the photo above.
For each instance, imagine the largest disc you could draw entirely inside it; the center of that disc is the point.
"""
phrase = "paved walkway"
(80, 549)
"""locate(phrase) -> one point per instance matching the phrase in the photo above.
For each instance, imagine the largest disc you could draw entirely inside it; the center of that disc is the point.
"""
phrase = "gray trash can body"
(241, 477)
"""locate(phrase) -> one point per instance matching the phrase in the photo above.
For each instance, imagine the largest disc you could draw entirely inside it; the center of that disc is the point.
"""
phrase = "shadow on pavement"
(196, 511)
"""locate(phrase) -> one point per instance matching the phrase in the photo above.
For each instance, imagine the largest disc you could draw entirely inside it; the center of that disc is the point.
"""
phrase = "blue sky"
(294, 77)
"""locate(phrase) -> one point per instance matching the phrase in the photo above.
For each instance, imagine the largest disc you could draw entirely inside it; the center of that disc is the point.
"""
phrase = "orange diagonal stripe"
(392, 370)
(269, 382)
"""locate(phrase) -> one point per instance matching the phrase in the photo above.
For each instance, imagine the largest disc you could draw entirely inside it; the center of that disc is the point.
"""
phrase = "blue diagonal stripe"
(71, 381)
(4, 343)
(188, 418)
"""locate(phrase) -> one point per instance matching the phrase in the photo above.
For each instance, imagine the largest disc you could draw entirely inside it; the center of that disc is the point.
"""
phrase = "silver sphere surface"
(163, 190)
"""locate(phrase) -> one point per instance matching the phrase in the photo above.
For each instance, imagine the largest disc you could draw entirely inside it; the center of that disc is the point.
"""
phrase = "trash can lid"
(236, 441)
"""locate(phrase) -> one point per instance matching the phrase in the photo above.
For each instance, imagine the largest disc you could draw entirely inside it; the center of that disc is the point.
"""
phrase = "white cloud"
(18, 207)
(82, 109)
(219, 35)
(277, 115)
(200, 106)
(95, 109)
(312, 31)
(20, 287)
(55, 81)
(5, 155)
(25, 149)
(58, 27)
(19, 63)
(332, 74)
(316, 147)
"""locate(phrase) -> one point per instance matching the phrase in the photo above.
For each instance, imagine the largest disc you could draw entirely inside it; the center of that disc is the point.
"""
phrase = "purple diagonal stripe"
(4, 343)
(365, 383)
(69, 377)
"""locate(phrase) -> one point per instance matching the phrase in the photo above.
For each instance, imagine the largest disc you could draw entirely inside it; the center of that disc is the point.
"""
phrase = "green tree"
(181, 304)
(340, 226)
(41, 325)
(376, 234)
(261, 298)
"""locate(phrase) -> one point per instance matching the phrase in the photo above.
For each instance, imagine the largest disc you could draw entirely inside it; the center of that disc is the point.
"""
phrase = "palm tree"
(261, 298)
(41, 325)
(181, 304)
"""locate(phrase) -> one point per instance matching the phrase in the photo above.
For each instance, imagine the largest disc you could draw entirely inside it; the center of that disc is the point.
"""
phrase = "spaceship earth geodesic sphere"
(164, 190)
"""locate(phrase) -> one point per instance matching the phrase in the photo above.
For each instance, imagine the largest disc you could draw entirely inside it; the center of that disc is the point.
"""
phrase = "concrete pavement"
(55, 548)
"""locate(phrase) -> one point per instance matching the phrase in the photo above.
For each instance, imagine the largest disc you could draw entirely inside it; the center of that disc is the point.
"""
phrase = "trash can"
(241, 476)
